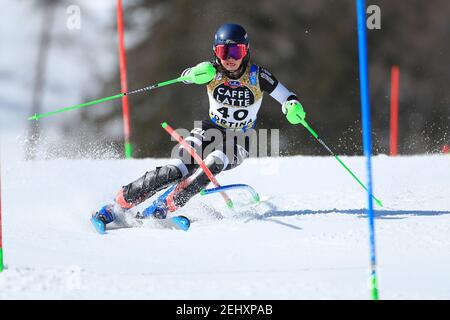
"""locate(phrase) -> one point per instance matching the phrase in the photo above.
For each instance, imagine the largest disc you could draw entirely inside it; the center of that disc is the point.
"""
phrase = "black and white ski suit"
(222, 139)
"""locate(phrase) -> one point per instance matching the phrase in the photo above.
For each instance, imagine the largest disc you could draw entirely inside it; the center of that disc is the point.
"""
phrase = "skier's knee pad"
(216, 161)
(150, 183)
(184, 169)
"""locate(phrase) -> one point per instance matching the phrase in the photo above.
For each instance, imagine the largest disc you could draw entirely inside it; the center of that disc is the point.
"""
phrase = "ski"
(156, 211)
(179, 222)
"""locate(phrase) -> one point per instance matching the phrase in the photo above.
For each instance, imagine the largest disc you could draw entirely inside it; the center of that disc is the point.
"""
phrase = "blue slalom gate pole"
(246, 187)
(367, 140)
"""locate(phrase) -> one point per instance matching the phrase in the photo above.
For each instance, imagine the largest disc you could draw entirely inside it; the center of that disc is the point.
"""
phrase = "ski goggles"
(235, 51)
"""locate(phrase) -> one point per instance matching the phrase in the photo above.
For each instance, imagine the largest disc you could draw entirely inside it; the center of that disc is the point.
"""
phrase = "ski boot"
(102, 217)
(159, 209)
(107, 214)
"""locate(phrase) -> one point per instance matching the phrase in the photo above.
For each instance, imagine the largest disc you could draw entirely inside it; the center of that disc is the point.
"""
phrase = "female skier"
(235, 95)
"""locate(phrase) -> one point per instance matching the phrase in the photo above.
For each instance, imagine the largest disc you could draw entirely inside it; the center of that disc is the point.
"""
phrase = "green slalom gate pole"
(128, 150)
(38, 116)
(316, 136)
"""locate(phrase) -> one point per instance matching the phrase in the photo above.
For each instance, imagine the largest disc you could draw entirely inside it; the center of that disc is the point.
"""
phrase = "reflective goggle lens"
(235, 51)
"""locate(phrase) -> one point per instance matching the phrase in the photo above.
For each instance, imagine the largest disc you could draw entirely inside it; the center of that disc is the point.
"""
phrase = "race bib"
(234, 104)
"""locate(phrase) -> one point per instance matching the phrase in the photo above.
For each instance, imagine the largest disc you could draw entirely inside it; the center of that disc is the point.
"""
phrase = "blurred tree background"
(311, 46)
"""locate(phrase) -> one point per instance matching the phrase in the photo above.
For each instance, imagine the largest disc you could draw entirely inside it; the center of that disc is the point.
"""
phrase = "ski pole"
(37, 116)
(200, 74)
(315, 135)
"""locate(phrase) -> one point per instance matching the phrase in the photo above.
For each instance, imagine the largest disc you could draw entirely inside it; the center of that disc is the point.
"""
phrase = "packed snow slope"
(307, 240)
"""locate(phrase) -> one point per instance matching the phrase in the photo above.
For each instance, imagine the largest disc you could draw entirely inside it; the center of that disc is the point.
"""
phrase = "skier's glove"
(294, 111)
(202, 73)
